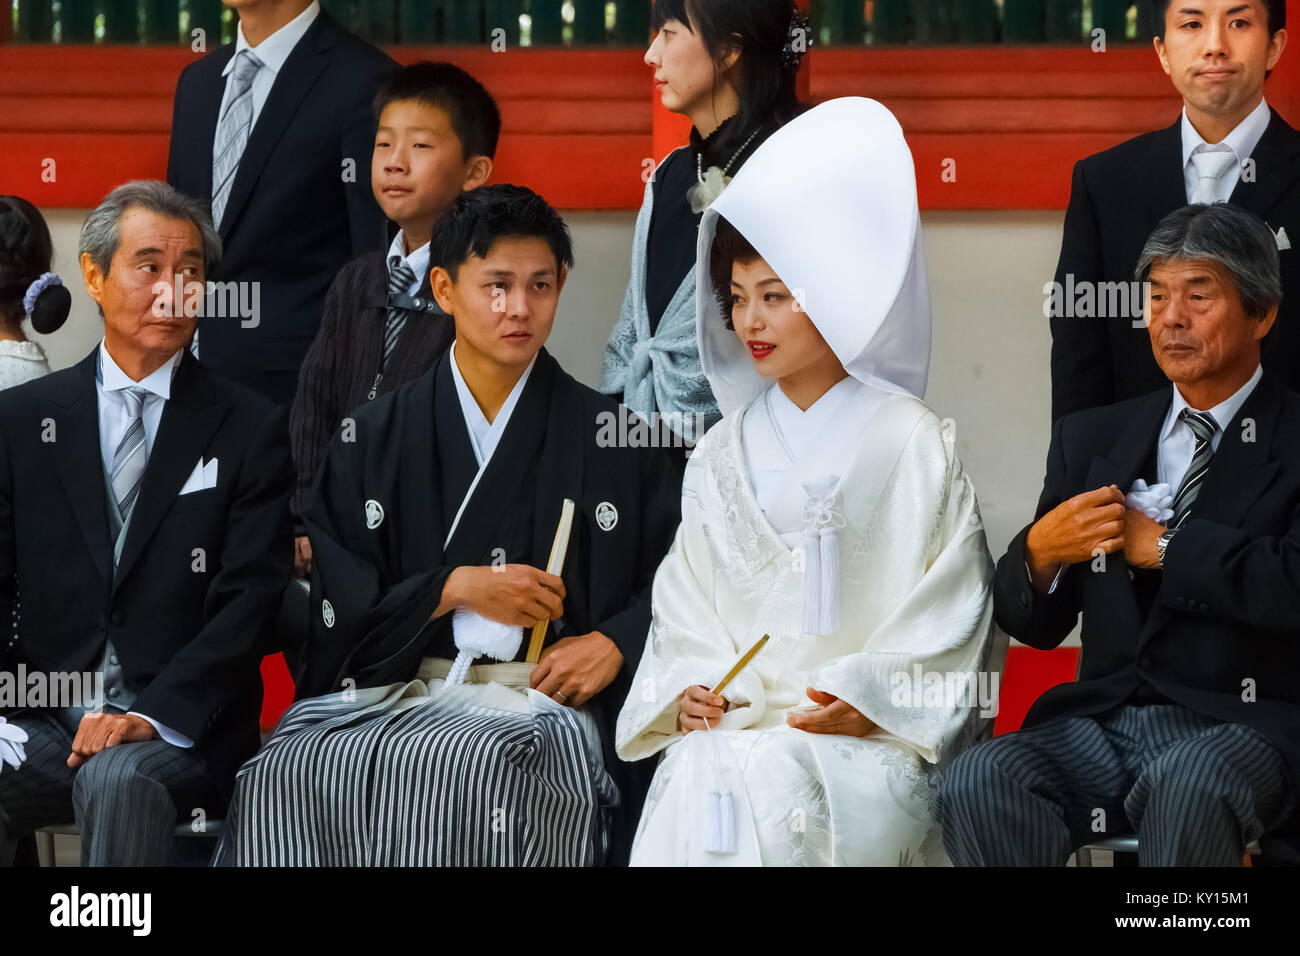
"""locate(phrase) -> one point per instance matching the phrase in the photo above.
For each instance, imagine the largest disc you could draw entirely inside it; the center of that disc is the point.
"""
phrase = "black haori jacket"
(380, 509)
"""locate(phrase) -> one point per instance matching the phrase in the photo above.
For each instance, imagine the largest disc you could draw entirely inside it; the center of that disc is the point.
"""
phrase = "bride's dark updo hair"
(729, 247)
(765, 72)
(26, 252)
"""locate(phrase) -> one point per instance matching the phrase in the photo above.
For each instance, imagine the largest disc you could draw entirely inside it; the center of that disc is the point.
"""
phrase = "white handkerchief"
(1154, 502)
(203, 477)
(12, 738)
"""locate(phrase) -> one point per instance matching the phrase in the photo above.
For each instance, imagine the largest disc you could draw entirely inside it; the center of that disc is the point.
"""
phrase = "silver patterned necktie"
(1203, 426)
(131, 455)
(1210, 166)
(232, 131)
(400, 278)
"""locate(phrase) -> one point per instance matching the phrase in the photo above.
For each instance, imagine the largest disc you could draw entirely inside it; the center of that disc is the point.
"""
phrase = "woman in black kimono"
(730, 65)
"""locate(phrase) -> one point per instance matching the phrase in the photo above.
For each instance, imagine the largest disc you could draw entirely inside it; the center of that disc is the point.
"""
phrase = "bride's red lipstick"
(759, 349)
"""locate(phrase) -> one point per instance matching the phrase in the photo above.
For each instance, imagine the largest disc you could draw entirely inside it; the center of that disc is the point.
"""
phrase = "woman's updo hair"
(26, 251)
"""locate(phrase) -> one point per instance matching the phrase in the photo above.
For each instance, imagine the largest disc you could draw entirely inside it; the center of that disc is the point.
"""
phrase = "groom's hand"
(575, 669)
(516, 594)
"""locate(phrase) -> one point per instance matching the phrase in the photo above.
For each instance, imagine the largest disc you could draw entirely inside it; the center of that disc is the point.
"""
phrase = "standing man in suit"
(276, 131)
(1184, 723)
(1228, 146)
(145, 539)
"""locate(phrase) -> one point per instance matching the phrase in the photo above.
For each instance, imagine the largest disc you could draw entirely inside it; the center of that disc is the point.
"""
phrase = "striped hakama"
(488, 773)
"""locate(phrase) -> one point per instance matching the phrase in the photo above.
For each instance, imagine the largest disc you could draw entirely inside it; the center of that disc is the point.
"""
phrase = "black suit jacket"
(1226, 617)
(1116, 199)
(201, 575)
(291, 220)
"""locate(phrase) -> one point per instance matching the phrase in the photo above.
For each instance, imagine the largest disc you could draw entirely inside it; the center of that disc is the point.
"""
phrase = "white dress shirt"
(1178, 441)
(417, 261)
(272, 51)
(484, 435)
(1241, 142)
(114, 419)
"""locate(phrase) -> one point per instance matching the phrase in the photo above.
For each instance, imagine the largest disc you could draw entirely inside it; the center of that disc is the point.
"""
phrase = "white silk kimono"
(914, 600)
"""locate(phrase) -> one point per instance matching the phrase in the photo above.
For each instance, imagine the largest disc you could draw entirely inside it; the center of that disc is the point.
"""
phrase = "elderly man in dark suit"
(276, 130)
(1184, 723)
(145, 541)
(1227, 146)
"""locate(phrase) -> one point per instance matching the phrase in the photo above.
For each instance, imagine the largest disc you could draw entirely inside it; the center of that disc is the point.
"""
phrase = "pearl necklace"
(710, 186)
(699, 158)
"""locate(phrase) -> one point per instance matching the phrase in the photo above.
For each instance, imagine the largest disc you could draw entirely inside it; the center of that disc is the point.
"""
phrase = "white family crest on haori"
(606, 516)
(374, 514)
(327, 612)
(847, 531)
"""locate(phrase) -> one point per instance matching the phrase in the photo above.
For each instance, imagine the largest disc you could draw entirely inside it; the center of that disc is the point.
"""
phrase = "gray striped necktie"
(232, 131)
(1203, 426)
(400, 278)
(131, 455)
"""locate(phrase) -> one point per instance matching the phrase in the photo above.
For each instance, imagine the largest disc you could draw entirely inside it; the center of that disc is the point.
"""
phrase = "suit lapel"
(76, 445)
(1121, 466)
(189, 420)
(1165, 188)
(299, 73)
(1241, 469)
(1238, 475)
(1277, 166)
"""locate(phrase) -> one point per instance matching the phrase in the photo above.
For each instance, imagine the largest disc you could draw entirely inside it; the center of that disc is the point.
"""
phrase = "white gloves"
(12, 738)
(1154, 502)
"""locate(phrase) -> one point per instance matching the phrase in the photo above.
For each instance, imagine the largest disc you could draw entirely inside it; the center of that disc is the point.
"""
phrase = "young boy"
(438, 131)
(432, 528)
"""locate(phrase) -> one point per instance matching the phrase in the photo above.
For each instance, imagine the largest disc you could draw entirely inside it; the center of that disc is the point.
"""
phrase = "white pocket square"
(203, 477)
(1153, 502)
(1283, 242)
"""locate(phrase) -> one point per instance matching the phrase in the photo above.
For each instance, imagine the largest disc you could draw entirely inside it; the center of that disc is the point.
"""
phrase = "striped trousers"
(1194, 789)
(421, 774)
(126, 800)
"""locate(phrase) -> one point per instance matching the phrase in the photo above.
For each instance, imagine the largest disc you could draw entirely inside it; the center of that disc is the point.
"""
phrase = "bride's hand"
(832, 716)
(697, 705)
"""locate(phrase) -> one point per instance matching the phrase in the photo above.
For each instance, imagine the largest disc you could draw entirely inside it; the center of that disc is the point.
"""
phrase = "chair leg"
(45, 848)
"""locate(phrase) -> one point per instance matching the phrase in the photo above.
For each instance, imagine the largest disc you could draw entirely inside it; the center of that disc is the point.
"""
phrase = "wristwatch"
(1162, 543)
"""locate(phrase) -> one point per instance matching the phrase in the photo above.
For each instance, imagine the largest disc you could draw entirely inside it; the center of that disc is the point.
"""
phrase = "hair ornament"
(46, 281)
(798, 40)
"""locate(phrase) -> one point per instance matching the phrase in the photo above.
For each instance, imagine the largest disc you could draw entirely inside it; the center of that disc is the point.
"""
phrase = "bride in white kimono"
(828, 510)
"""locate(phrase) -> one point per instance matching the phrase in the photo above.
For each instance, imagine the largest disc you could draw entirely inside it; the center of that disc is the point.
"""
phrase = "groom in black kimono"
(446, 494)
